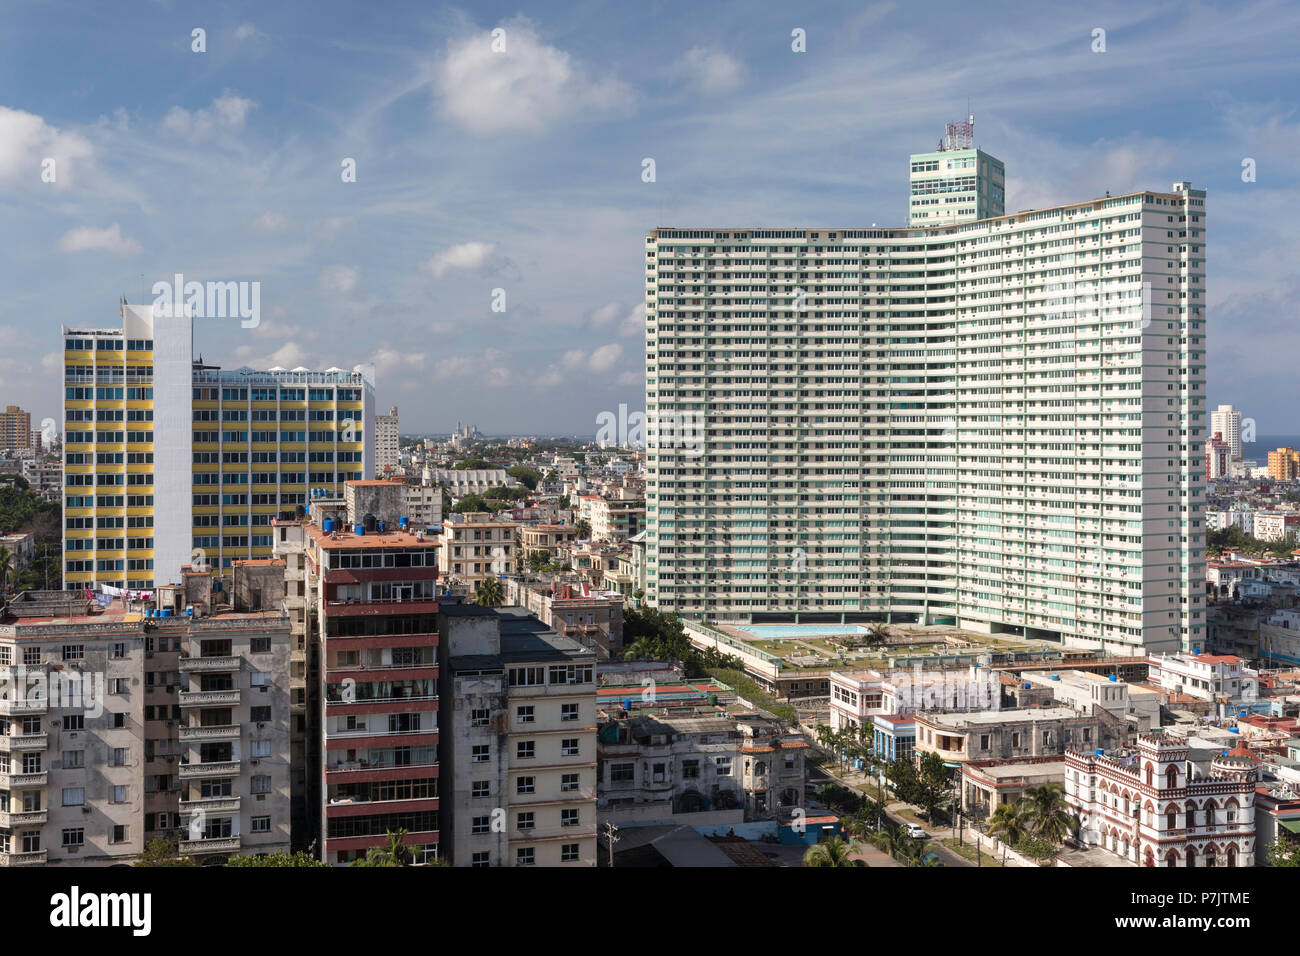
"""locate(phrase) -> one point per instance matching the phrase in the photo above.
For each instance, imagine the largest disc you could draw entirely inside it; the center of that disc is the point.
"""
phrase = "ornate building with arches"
(1165, 804)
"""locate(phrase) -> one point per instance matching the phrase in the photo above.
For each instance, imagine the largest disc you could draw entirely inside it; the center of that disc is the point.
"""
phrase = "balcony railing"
(27, 706)
(210, 845)
(24, 742)
(29, 818)
(209, 698)
(209, 663)
(213, 732)
(211, 805)
(9, 781)
(33, 858)
(223, 768)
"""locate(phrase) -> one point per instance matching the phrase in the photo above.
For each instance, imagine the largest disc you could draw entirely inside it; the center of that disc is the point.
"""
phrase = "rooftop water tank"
(359, 530)
(403, 522)
(1100, 752)
(1233, 730)
(1056, 677)
(370, 522)
(1112, 678)
(328, 525)
(383, 526)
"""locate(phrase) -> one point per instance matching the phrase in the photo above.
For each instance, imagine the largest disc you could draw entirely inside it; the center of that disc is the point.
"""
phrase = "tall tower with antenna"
(957, 182)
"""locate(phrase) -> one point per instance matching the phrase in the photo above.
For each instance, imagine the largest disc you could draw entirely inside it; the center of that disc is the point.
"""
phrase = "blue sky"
(521, 170)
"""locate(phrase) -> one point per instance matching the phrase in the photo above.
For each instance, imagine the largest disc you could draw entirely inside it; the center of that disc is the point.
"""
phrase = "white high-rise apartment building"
(1226, 421)
(957, 182)
(996, 423)
(386, 457)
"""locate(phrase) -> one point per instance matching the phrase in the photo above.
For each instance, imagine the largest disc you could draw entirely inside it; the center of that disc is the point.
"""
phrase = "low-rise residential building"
(477, 545)
(987, 735)
(1212, 677)
(987, 784)
(733, 768)
(461, 482)
(544, 539)
(592, 617)
(857, 696)
(1276, 525)
(518, 746)
(1083, 690)
(1165, 804)
(21, 548)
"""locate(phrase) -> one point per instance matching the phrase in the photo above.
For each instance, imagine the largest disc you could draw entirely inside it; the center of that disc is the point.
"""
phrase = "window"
(119, 720)
(31, 655)
(525, 856)
(525, 820)
(260, 783)
(622, 772)
(480, 753)
(119, 834)
(261, 748)
(75, 836)
(479, 718)
(119, 794)
(74, 722)
(119, 651)
(479, 789)
(480, 825)
(71, 759)
(117, 757)
(569, 853)
(524, 715)
(74, 796)
(723, 766)
(74, 652)
(568, 712)
(569, 782)
(261, 824)
(569, 818)
(690, 769)
(119, 685)
(259, 645)
(525, 785)
(525, 750)
(259, 715)
(569, 747)
(481, 859)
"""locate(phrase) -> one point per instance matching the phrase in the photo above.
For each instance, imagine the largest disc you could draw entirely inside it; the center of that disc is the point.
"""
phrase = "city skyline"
(246, 141)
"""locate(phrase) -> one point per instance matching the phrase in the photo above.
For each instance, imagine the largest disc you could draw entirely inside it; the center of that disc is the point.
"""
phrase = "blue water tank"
(1100, 752)
(403, 522)
(1241, 713)
(1056, 677)
(627, 705)
(1027, 686)
(1112, 678)
(189, 612)
(328, 525)
(359, 530)
(1233, 730)
(382, 526)
(166, 612)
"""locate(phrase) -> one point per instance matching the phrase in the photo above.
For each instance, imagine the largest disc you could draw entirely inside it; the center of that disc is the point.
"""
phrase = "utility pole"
(611, 837)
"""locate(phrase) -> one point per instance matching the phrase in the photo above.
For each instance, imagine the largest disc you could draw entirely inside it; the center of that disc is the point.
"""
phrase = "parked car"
(916, 831)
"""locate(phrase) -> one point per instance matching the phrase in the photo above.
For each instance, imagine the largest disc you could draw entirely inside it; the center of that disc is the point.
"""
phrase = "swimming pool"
(802, 630)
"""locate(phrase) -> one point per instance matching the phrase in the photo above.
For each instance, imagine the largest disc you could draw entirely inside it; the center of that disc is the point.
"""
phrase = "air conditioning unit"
(261, 724)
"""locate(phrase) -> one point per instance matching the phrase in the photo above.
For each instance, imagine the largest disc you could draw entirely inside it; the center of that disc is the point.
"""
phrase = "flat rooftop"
(1016, 715)
(342, 540)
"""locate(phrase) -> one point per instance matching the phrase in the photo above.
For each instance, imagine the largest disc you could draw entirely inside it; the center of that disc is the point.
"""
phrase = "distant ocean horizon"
(1258, 450)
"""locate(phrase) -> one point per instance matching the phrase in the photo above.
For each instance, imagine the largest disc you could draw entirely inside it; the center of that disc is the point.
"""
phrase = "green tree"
(1008, 821)
(933, 781)
(489, 592)
(6, 569)
(276, 859)
(1047, 815)
(162, 852)
(394, 853)
(528, 476)
(904, 781)
(1284, 853)
(471, 464)
(583, 529)
(834, 852)
(877, 635)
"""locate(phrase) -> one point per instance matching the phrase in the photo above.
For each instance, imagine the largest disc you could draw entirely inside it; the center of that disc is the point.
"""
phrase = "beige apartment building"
(477, 545)
(517, 741)
(592, 617)
(139, 720)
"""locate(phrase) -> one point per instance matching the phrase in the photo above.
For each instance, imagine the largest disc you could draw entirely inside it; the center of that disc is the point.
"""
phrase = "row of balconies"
(20, 742)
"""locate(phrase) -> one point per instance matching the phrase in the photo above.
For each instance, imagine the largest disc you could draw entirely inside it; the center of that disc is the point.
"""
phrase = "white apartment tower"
(1226, 421)
(386, 457)
(996, 423)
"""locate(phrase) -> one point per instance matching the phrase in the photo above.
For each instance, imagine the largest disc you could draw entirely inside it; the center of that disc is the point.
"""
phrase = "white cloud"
(528, 86)
(331, 227)
(227, 113)
(604, 357)
(247, 31)
(712, 71)
(90, 239)
(52, 362)
(269, 222)
(339, 278)
(26, 140)
(467, 255)
(390, 360)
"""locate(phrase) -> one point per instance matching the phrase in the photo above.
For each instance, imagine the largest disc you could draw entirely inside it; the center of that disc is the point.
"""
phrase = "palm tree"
(1046, 814)
(1009, 820)
(395, 853)
(488, 592)
(834, 852)
(879, 634)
